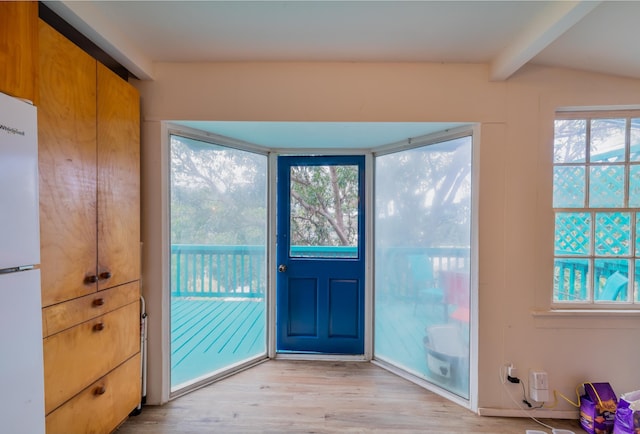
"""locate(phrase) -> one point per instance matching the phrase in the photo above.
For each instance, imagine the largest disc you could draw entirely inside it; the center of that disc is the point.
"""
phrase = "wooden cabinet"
(99, 407)
(89, 162)
(67, 163)
(89, 134)
(65, 373)
(19, 48)
(63, 316)
(118, 180)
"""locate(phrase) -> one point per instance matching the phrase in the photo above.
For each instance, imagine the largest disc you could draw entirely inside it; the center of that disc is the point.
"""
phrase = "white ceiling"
(599, 36)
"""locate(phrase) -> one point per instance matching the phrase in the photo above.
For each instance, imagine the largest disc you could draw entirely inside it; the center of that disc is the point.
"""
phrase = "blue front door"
(320, 254)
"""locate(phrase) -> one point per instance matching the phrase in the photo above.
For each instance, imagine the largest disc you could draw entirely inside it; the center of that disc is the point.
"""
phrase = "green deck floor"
(210, 334)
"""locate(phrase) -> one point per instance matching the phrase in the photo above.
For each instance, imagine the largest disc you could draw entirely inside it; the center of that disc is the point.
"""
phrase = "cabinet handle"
(98, 302)
(105, 275)
(91, 279)
(98, 327)
(99, 390)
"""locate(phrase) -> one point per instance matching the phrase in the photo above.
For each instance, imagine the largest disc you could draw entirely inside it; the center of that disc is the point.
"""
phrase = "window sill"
(586, 318)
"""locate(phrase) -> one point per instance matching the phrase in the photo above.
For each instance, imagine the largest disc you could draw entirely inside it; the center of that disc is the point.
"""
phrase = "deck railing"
(572, 276)
(217, 271)
(402, 271)
(200, 270)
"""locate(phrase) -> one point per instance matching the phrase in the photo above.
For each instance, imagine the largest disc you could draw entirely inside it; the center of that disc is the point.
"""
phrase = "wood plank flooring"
(319, 397)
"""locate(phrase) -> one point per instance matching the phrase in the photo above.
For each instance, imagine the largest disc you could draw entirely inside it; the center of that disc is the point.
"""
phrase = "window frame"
(632, 255)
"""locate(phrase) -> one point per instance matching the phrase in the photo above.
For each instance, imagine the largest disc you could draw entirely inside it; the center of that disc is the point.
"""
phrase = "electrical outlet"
(539, 380)
(539, 386)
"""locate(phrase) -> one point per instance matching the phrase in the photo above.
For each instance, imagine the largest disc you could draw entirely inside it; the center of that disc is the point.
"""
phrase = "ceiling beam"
(86, 19)
(553, 21)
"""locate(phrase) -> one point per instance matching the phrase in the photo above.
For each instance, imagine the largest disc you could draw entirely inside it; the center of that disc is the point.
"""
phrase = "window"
(596, 196)
(423, 220)
(218, 269)
(324, 211)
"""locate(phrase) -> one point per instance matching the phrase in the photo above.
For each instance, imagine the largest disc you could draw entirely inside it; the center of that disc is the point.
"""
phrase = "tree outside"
(324, 205)
(218, 194)
(218, 197)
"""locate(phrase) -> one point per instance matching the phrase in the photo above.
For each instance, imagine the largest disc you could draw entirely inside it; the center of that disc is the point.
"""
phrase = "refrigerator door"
(19, 222)
(21, 365)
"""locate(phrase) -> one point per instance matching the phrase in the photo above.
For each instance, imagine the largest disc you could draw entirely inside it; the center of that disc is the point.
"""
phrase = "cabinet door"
(19, 48)
(118, 180)
(67, 164)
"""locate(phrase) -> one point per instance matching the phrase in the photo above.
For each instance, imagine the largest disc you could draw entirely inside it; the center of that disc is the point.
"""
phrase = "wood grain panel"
(19, 48)
(118, 180)
(101, 406)
(65, 315)
(73, 359)
(67, 164)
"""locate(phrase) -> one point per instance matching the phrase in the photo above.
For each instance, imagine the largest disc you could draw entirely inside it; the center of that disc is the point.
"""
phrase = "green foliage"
(423, 196)
(218, 194)
(324, 205)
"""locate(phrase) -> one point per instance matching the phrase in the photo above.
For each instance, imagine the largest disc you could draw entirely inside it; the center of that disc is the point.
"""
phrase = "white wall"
(516, 220)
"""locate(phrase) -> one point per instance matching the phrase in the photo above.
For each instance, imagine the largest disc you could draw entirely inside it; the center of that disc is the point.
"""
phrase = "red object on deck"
(456, 285)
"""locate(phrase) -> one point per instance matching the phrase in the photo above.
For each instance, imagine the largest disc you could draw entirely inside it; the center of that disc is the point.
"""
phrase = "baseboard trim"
(538, 413)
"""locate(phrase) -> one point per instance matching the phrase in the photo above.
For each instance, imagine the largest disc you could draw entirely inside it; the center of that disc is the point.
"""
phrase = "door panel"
(320, 252)
(343, 303)
(303, 307)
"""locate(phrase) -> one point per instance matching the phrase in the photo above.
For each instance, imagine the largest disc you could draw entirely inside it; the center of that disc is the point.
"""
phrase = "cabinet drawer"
(75, 358)
(65, 315)
(102, 406)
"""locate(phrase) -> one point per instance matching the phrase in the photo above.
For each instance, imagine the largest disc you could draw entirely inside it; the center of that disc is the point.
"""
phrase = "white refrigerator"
(21, 367)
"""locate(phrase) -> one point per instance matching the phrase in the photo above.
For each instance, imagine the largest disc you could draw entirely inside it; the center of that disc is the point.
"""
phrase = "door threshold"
(322, 357)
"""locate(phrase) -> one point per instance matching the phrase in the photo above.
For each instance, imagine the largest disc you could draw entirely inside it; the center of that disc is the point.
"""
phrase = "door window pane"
(324, 211)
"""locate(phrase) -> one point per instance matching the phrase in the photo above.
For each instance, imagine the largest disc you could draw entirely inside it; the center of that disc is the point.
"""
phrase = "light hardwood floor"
(319, 397)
